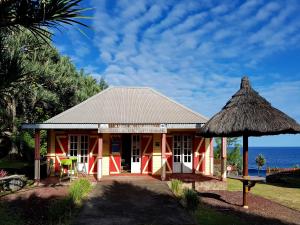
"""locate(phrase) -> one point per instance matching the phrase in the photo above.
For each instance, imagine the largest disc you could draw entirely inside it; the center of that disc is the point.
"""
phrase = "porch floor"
(196, 181)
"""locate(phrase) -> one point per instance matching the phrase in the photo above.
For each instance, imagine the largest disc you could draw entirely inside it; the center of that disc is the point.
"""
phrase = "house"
(127, 130)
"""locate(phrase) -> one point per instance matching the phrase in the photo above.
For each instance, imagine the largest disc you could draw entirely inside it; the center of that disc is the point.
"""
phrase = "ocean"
(280, 157)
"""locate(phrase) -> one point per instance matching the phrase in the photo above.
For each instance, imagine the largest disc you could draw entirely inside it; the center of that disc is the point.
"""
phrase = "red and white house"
(127, 130)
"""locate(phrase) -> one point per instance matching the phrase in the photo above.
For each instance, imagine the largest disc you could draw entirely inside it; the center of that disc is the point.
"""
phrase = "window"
(187, 148)
(73, 145)
(79, 145)
(115, 144)
(84, 149)
(182, 148)
(136, 148)
(177, 148)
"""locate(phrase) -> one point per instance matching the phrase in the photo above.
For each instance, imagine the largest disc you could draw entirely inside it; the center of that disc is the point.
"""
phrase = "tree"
(50, 84)
(37, 15)
(260, 161)
(234, 156)
(29, 65)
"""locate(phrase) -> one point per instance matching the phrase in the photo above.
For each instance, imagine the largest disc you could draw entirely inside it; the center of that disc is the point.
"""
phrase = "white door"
(74, 145)
(177, 154)
(135, 153)
(187, 164)
(182, 154)
(83, 154)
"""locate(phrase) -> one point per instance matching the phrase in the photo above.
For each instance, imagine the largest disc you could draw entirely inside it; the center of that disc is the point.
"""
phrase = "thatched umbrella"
(248, 114)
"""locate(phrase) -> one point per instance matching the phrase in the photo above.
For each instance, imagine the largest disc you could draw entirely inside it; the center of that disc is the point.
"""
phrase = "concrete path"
(138, 201)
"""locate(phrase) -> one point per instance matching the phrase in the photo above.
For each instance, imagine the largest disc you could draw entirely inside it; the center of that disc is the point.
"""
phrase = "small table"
(71, 164)
(248, 181)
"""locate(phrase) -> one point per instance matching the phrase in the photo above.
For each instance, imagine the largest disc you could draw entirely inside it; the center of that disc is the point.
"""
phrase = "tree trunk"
(12, 108)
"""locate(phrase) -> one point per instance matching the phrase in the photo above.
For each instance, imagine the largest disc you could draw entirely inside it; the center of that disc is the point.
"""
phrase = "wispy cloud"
(193, 51)
(196, 51)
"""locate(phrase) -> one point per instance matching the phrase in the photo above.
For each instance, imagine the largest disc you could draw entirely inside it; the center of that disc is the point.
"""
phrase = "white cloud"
(195, 51)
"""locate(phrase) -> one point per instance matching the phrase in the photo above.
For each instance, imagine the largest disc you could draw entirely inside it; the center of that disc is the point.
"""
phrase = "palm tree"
(38, 15)
(260, 161)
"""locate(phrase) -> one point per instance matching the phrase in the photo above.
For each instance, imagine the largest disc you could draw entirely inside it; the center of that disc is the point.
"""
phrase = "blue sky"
(195, 51)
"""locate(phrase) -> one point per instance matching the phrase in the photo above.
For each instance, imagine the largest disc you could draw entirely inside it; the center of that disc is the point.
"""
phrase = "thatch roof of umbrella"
(248, 113)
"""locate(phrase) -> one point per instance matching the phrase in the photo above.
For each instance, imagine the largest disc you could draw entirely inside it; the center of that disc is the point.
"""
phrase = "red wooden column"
(163, 155)
(211, 145)
(223, 158)
(245, 171)
(99, 158)
(37, 157)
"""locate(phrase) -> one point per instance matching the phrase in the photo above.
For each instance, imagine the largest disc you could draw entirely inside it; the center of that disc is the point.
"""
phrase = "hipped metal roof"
(128, 105)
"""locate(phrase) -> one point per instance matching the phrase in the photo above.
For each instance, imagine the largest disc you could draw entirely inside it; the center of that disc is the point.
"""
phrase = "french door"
(182, 154)
(135, 153)
(79, 147)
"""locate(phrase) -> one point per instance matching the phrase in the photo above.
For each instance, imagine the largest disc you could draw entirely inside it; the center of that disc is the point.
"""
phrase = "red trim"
(199, 156)
(37, 145)
(146, 157)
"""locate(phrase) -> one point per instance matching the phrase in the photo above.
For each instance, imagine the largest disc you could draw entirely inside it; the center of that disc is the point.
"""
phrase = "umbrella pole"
(245, 170)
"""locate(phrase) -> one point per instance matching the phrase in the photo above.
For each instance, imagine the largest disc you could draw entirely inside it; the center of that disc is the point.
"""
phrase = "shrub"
(191, 199)
(176, 187)
(79, 189)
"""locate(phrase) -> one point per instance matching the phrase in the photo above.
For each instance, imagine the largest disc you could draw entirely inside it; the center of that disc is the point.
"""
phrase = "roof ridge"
(81, 103)
(131, 87)
(177, 103)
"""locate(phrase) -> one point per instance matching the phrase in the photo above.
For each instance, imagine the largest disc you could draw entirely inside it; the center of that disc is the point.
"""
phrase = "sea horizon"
(276, 157)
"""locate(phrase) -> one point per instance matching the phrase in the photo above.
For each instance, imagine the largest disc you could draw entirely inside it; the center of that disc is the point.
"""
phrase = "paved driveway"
(140, 201)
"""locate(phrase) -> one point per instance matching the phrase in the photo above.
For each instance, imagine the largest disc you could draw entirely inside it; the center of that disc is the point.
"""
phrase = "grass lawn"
(208, 216)
(287, 196)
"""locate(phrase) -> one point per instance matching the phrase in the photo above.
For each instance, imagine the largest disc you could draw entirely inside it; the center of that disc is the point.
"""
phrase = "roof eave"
(97, 125)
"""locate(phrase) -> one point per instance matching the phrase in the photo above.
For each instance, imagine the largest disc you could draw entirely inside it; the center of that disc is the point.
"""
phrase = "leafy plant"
(176, 187)
(79, 189)
(260, 161)
(191, 199)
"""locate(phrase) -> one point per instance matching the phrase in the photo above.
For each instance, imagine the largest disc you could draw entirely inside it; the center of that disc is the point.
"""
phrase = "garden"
(48, 204)
(269, 204)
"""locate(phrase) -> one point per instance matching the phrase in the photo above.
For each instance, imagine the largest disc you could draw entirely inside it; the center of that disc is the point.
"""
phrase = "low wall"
(12, 183)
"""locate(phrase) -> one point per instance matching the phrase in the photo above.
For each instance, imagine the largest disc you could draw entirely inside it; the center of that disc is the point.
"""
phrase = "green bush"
(191, 199)
(176, 187)
(79, 189)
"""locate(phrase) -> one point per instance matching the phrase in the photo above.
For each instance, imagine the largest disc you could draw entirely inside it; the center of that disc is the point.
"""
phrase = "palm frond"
(37, 15)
